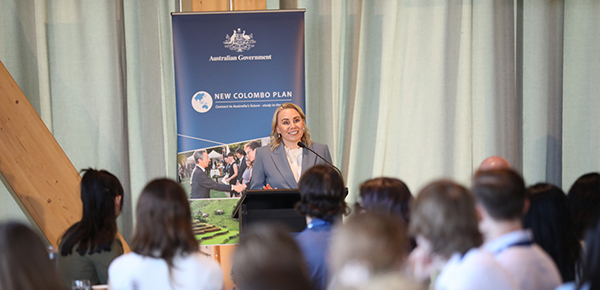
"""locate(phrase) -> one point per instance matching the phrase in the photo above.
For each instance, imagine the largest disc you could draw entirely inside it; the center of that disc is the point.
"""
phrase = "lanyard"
(317, 223)
(525, 243)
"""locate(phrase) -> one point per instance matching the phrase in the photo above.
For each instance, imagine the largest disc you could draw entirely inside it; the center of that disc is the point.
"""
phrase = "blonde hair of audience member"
(24, 261)
(444, 214)
(268, 258)
(164, 224)
(366, 245)
(276, 137)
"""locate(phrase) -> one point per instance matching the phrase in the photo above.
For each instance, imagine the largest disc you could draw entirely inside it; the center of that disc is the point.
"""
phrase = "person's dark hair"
(164, 222)
(444, 213)
(253, 145)
(388, 195)
(96, 230)
(24, 261)
(322, 193)
(501, 192)
(268, 258)
(549, 219)
(230, 154)
(591, 260)
(584, 202)
(240, 151)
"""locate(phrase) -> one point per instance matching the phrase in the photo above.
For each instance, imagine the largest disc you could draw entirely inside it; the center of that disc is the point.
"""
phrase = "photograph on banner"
(226, 164)
(212, 222)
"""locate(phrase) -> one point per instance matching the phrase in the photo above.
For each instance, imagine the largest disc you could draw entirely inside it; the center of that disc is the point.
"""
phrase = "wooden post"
(36, 168)
(223, 5)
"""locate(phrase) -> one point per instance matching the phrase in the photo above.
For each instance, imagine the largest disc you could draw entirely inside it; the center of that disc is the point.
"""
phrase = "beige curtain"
(427, 89)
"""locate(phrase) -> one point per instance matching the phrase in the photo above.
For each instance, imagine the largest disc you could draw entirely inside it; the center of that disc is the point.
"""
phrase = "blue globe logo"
(202, 102)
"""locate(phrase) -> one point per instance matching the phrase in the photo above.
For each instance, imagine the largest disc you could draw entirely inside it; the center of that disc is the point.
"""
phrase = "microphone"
(303, 145)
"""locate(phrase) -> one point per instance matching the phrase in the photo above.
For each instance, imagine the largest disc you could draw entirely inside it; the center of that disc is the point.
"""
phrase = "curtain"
(421, 90)
(100, 74)
(413, 89)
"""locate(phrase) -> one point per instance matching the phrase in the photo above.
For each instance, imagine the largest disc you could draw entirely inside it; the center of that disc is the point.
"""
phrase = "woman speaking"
(281, 164)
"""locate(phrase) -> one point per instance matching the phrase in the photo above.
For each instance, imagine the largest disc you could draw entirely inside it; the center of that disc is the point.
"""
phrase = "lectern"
(273, 205)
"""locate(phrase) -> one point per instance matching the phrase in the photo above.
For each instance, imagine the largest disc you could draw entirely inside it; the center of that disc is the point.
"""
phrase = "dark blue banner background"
(279, 42)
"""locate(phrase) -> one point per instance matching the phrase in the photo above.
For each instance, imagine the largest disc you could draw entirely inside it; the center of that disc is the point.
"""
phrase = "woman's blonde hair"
(276, 138)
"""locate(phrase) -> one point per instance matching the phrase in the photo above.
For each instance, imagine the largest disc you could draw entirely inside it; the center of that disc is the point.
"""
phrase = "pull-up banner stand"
(232, 69)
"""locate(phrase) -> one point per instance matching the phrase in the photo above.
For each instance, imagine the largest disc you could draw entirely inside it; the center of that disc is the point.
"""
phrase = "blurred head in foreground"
(268, 258)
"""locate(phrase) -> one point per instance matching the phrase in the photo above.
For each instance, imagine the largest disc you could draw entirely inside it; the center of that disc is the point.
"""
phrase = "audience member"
(385, 194)
(502, 202)
(549, 219)
(91, 244)
(165, 253)
(367, 248)
(494, 162)
(24, 261)
(590, 278)
(388, 195)
(268, 258)
(584, 200)
(322, 202)
(444, 220)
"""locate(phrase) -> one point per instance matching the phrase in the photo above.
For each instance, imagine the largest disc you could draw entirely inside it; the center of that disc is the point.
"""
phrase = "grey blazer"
(274, 169)
(201, 184)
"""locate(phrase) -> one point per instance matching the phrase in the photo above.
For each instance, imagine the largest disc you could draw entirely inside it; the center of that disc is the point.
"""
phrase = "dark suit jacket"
(201, 184)
(274, 169)
(241, 168)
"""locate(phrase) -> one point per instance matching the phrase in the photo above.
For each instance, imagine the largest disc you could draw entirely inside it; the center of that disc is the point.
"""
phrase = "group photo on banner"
(233, 70)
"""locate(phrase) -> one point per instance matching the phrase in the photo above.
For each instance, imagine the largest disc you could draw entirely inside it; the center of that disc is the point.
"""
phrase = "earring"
(279, 136)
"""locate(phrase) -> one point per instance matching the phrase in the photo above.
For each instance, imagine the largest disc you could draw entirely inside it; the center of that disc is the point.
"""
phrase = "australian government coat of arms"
(239, 41)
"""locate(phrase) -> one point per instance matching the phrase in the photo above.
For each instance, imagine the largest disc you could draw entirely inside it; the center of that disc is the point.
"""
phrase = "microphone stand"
(303, 145)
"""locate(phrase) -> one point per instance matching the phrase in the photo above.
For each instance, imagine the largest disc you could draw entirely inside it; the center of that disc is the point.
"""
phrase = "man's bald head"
(494, 162)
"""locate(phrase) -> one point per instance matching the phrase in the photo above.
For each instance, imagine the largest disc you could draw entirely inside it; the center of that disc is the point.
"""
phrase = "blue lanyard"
(317, 223)
(525, 243)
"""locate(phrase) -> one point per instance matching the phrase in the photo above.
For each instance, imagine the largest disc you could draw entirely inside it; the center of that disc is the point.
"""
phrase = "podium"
(273, 205)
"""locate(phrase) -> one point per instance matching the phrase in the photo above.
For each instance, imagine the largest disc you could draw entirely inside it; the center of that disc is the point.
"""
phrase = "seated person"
(24, 262)
(165, 253)
(367, 248)
(91, 244)
(444, 221)
(501, 202)
(322, 203)
(549, 220)
(584, 202)
(268, 258)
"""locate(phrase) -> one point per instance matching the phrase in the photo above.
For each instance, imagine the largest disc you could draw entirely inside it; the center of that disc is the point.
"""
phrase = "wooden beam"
(210, 5)
(33, 164)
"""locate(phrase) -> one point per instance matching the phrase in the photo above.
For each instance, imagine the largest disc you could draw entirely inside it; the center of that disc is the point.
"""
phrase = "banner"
(232, 70)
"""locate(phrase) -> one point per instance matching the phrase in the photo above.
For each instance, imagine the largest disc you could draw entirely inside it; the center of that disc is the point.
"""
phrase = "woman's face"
(291, 127)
